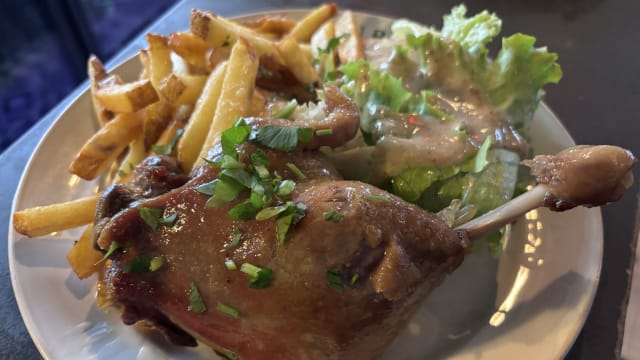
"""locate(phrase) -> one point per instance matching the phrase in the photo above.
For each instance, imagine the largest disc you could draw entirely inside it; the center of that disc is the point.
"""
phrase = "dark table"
(598, 101)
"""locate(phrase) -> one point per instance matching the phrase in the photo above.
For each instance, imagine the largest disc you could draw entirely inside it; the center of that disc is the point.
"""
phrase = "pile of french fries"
(199, 81)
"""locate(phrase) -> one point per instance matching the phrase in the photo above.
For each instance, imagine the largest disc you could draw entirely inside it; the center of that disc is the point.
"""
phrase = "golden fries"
(352, 48)
(307, 26)
(236, 95)
(220, 32)
(43, 220)
(83, 257)
(182, 89)
(272, 25)
(126, 98)
(297, 60)
(190, 47)
(160, 64)
(103, 147)
(200, 81)
(97, 74)
(156, 117)
(197, 128)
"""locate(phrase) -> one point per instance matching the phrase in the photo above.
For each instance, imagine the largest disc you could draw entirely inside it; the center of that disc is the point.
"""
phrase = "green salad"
(443, 124)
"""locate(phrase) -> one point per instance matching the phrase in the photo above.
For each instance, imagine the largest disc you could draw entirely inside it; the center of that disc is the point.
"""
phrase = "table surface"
(598, 101)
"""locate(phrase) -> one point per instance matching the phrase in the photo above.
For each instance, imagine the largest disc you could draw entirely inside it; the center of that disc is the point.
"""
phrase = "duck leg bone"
(580, 175)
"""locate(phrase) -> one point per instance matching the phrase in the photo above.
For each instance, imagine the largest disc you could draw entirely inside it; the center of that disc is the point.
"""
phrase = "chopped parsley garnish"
(378, 198)
(233, 137)
(244, 211)
(112, 247)
(281, 138)
(260, 278)
(296, 171)
(354, 278)
(286, 111)
(334, 278)
(235, 237)
(227, 310)
(230, 264)
(226, 43)
(333, 43)
(168, 148)
(156, 263)
(140, 264)
(293, 213)
(153, 217)
(270, 194)
(196, 303)
(324, 132)
(333, 216)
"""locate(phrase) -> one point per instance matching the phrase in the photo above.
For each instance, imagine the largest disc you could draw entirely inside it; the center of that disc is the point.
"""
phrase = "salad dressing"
(411, 140)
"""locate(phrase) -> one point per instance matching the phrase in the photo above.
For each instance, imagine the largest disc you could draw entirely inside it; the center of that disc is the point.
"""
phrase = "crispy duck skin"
(386, 266)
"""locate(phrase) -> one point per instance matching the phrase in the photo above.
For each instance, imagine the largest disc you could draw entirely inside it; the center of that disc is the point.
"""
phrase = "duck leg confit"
(343, 279)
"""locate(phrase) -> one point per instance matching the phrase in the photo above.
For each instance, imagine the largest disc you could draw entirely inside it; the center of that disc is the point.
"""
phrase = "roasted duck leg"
(341, 285)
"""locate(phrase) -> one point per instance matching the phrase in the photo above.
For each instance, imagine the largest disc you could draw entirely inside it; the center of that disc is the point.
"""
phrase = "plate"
(530, 304)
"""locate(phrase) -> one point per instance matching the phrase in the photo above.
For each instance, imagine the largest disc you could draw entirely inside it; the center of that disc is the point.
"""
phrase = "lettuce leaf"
(513, 81)
(517, 76)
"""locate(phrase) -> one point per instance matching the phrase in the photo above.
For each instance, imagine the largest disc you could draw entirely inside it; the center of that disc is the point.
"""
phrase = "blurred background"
(45, 44)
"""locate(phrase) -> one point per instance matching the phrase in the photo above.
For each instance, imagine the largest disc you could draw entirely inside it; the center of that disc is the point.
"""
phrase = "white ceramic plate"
(529, 305)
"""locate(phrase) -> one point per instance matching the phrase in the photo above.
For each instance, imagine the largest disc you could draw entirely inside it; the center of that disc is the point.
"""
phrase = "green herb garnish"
(281, 138)
(378, 198)
(196, 303)
(354, 278)
(333, 216)
(259, 277)
(112, 247)
(168, 148)
(334, 278)
(227, 310)
(243, 211)
(140, 264)
(156, 263)
(230, 264)
(153, 217)
(296, 171)
(286, 111)
(235, 237)
(324, 132)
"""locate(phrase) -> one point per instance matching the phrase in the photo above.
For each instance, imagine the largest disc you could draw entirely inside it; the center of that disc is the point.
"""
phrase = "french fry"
(125, 98)
(320, 39)
(190, 47)
(180, 118)
(97, 73)
(220, 32)
(297, 60)
(352, 48)
(273, 25)
(309, 24)
(143, 56)
(43, 220)
(216, 56)
(182, 89)
(156, 117)
(237, 92)
(83, 257)
(160, 64)
(196, 130)
(105, 145)
(136, 154)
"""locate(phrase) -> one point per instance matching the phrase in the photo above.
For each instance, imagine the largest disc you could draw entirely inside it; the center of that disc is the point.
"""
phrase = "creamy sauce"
(408, 140)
